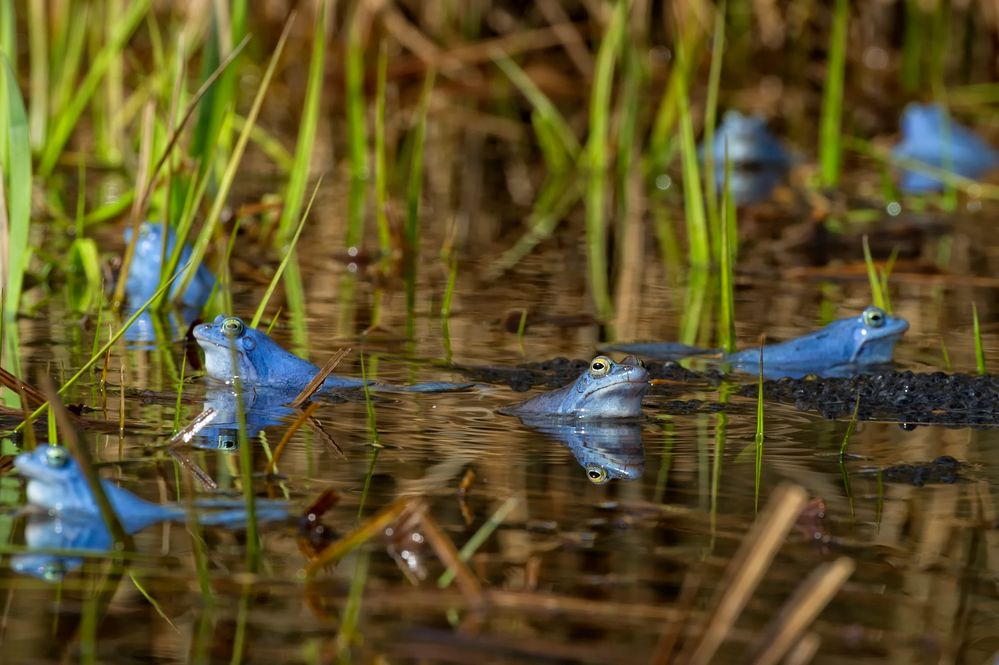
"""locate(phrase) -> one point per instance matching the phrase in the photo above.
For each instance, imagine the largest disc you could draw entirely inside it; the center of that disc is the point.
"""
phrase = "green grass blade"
(229, 175)
(759, 439)
(699, 249)
(381, 160)
(596, 162)
(414, 193)
(357, 128)
(542, 105)
(38, 52)
(295, 194)
(830, 150)
(66, 118)
(17, 168)
(877, 293)
(479, 537)
(289, 251)
(979, 347)
(726, 317)
(710, 118)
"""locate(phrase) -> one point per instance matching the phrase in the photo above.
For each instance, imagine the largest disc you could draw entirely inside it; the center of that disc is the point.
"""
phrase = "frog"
(262, 363)
(842, 348)
(838, 349)
(758, 160)
(606, 389)
(930, 136)
(147, 264)
(56, 484)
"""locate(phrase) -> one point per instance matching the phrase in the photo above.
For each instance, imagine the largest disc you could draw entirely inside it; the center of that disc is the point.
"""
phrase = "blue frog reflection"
(606, 449)
(261, 408)
(759, 161)
(45, 534)
(56, 484)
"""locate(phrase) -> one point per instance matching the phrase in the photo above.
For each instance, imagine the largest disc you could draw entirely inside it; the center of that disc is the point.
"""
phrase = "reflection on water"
(604, 448)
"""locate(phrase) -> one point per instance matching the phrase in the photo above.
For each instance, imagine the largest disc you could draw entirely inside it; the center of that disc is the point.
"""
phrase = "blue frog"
(841, 348)
(605, 390)
(261, 408)
(931, 137)
(263, 363)
(759, 161)
(57, 484)
(147, 266)
(606, 449)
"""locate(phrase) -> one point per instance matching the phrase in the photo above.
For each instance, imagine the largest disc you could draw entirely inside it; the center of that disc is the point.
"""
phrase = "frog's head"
(50, 472)
(608, 389)
(874, 335)
(260, 361)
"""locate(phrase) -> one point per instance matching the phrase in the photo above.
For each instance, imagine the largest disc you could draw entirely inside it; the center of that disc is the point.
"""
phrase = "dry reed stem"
(444, 547)
(374, 526)
(286, 437)
(674, 628)
(203, 477)
(186, 434)
(804, 651)
(745, 571)
(310, 389)
(800, 610)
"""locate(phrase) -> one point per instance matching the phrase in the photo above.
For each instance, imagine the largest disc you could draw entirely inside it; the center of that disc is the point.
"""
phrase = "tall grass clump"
(357, 129)
(414, 194)
(597, 160)
(698, 242)
(66, 117)
(15, 208)
(830, 150)
(295, 193)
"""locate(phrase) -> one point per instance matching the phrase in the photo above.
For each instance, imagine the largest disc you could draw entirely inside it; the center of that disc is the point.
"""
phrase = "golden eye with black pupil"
(56, 456)
(600, 366)
(596, 474)
(232, 327)
(874, 317)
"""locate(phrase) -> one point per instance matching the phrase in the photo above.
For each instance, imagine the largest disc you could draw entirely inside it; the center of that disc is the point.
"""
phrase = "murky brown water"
(580, 572)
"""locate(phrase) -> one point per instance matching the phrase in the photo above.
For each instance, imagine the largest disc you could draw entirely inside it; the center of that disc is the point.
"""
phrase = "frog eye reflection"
(600, 366)
(53, 572)
(596, 474)
(232, 327)
(56, 456)
(874, 317)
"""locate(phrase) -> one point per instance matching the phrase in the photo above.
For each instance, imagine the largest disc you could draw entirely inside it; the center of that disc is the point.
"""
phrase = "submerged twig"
(286, 437)
(362, 534)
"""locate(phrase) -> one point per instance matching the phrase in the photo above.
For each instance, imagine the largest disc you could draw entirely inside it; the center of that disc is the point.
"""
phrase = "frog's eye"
(596, 474)
(56, 456)
(227, 442)
(874, 317)
(600, 366)
(232, 327)
(53, 571)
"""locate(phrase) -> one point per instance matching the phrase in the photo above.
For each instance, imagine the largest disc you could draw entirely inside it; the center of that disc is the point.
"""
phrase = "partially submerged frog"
(147, 266)
(931, 137)
(57, 484)
(839, 349)
(263, 363)
(605, 390)
(606, 449)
